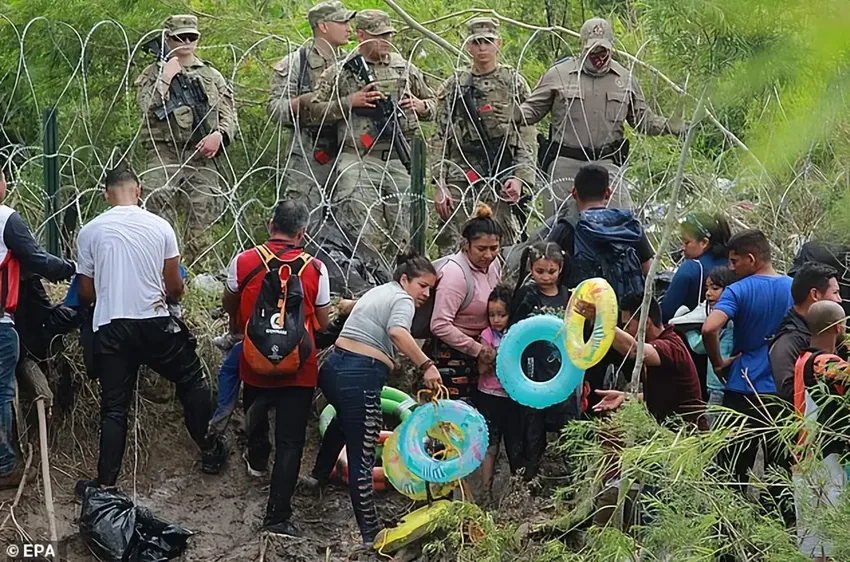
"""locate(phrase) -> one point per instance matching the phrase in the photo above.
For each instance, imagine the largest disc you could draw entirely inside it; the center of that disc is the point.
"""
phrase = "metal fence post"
(418, 210)
(51, 181)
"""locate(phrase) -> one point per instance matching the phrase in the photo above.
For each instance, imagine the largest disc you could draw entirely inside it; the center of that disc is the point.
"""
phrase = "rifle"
(184, 91)
(494, 162)
(387, 114)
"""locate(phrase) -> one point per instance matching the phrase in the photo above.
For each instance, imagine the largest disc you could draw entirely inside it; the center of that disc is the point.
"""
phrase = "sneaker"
(213, 459)
(286, 528)
(311, 483)
(255, 472)
(82, 485)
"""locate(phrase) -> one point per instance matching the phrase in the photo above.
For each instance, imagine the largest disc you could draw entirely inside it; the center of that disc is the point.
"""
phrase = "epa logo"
(28, 551)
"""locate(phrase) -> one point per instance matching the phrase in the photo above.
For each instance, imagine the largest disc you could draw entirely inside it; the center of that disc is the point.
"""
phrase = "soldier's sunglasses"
(185, 37)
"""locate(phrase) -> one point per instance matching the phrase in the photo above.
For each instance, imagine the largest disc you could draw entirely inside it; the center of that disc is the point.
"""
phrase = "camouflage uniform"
(458, 158)
(310, 157)
(371, 197)
(589, 109)
(177, 176)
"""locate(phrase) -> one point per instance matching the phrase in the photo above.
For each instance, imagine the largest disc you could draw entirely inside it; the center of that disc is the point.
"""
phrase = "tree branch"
(670, 224)
(408, 19)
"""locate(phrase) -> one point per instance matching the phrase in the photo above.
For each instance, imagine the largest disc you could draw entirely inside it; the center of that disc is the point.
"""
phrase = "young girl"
(718, 279)
(541, 360)
(501, 413)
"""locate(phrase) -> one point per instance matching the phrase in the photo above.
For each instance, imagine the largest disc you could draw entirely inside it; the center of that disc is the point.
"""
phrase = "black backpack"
(605, 245)
(277, 340)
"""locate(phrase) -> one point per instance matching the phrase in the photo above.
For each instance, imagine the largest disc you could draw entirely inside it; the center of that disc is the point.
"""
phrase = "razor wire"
(252, 170)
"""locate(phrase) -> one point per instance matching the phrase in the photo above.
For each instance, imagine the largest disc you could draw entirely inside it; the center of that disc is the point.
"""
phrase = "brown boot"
(13, 479)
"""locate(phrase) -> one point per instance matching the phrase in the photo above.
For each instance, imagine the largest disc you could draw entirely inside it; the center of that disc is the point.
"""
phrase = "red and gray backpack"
(277, 340)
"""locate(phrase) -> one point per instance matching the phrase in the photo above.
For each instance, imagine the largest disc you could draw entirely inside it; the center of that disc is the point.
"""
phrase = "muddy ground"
(225, 511)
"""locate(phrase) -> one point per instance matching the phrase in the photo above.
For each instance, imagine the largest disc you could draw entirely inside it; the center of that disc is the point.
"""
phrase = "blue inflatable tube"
(450, 415)
(509, 363)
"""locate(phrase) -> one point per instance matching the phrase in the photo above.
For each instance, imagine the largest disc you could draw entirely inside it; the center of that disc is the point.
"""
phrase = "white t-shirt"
(323, 296)
(123, 250)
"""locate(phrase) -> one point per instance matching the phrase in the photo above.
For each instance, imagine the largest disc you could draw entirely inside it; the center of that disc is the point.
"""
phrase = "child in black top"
(541, 360)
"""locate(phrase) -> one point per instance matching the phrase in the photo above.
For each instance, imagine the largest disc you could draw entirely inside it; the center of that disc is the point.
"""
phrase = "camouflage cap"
(374, 22)
(483, 28)
(597, 32)
(175, 25)
(331, 10)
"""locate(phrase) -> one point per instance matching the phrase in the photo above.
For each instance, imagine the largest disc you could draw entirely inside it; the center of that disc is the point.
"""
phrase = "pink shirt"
(457, 328)
(488, 382)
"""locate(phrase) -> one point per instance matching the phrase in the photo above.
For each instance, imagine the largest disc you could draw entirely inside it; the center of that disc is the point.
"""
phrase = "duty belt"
(618, 152)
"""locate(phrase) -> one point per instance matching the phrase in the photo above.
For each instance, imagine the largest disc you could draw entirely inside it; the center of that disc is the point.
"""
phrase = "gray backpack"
(421, 327)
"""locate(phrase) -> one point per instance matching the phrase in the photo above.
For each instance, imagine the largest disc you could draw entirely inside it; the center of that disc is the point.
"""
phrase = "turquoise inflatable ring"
(472, 441)
(393, 402)
(509, 371)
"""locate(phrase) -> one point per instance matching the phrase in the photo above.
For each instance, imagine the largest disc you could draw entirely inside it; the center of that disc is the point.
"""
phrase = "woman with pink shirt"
(457, 346)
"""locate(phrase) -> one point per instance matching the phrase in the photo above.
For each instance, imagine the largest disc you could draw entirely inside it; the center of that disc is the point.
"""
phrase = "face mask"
(597, 62)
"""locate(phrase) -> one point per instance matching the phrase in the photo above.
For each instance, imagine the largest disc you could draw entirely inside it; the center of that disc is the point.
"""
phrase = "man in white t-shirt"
(128, 265)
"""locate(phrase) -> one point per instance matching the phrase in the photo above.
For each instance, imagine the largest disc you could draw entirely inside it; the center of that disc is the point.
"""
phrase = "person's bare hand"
(366, 97)
(344, 307)
(443, 202)
(611, 400)
(722, 369)
(432, 377)
(512, 189)
(487, 355)
(411, 102)
(171, 69)
(586, 309)
(210, 144)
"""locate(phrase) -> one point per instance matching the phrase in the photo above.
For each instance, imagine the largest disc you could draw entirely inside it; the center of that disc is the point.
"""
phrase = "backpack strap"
(266, 256)
(467, 276)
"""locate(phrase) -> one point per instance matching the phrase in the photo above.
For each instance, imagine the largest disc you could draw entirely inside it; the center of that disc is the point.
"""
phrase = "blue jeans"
(715, 399)
(228, 388)
(352, 383)
(9, 350)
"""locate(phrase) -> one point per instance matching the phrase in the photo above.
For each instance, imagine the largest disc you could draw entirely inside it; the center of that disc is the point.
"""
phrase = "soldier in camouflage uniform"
(590, 98)
(180, 151)
(371, 196)
(476, 154)
(312, 152)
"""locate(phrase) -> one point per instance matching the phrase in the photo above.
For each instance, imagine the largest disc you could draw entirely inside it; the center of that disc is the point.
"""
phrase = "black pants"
(504, 423)
(166, 346)
(292, 410)
(352, 383)
(740, 456)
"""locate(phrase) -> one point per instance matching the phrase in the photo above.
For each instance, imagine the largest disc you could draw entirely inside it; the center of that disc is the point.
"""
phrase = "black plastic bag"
(116, 530)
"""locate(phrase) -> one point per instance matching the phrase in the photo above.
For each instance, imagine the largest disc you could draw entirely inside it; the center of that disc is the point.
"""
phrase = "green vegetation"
(775, 73)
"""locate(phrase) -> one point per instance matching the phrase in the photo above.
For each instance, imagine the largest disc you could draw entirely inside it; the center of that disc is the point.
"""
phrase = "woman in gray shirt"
(355, 373)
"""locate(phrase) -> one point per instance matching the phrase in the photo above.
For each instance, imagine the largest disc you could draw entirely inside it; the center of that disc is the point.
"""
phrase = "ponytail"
(409, 263)
(481, 224)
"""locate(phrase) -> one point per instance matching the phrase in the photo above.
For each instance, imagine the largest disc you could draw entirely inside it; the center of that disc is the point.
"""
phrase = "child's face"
(712, 292)
(545, 272)
(498, 314)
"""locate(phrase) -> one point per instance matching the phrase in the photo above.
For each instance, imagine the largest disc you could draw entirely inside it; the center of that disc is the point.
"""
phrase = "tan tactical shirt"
(288, 83)
(178, 128)
(589, 111)
(455, 130)
(394, 78)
